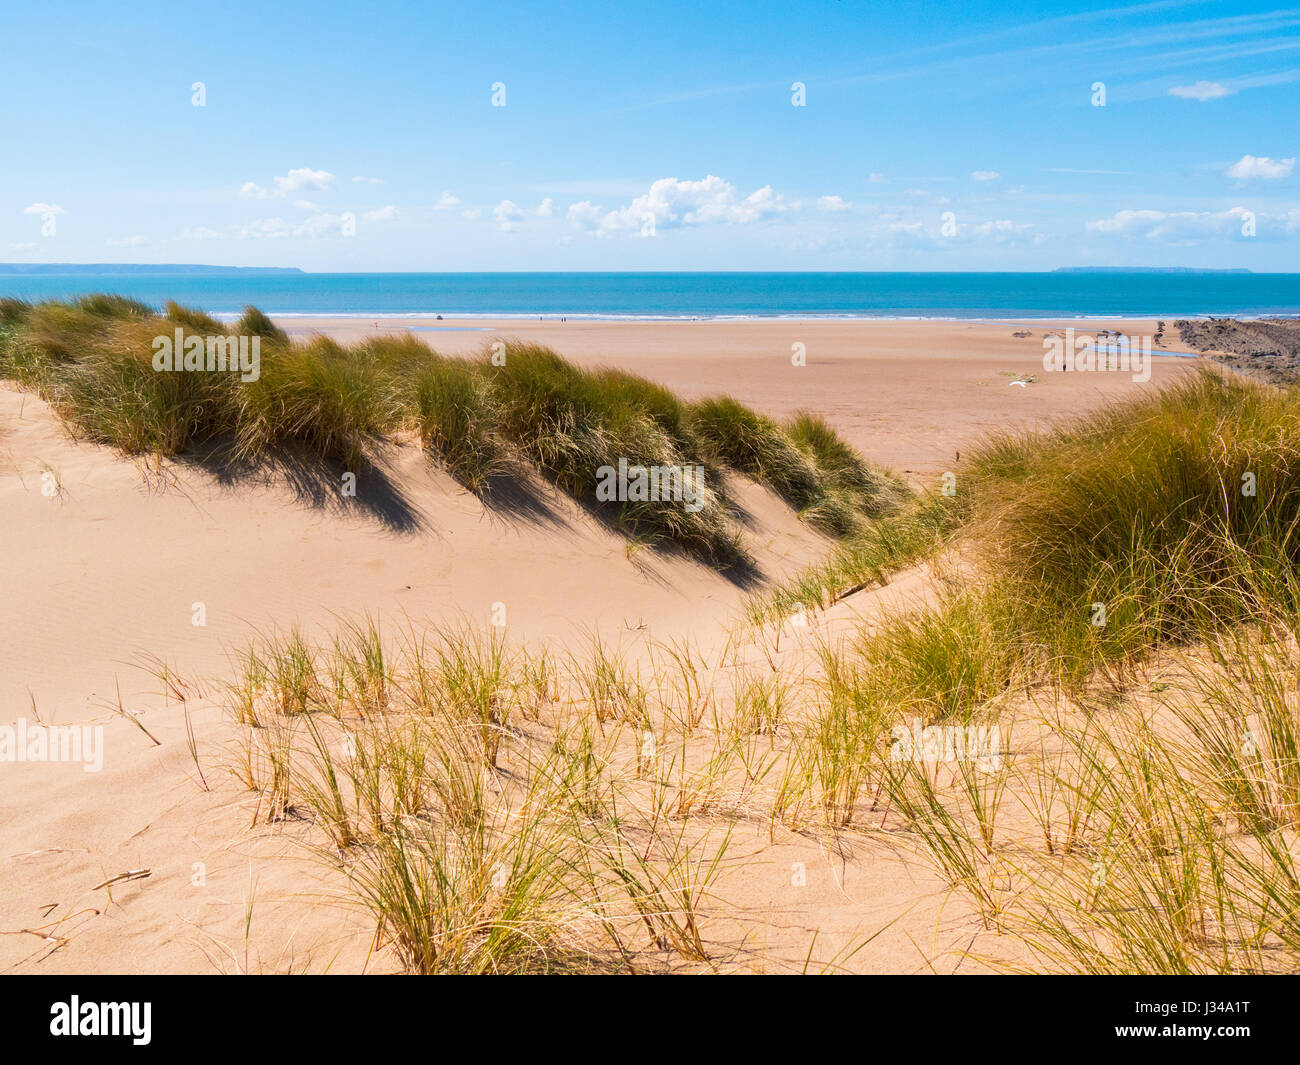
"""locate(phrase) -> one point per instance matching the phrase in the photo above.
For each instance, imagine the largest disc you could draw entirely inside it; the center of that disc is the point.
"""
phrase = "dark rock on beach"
(1267, 349)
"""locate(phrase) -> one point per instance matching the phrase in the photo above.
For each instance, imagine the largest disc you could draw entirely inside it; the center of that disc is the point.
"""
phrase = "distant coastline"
(1177, 270)
(129, 269)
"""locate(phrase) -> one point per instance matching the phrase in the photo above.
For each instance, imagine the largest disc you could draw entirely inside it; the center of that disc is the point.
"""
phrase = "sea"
(667, 296)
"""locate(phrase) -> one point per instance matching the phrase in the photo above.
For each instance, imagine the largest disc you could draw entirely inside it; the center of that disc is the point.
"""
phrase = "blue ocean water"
(696, 295)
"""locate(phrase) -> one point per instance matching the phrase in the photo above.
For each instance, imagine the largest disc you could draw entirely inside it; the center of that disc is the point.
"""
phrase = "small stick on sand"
(131, 874)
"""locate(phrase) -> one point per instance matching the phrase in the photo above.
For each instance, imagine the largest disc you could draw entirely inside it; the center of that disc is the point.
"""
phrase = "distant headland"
(140, 268)
(1146, 270)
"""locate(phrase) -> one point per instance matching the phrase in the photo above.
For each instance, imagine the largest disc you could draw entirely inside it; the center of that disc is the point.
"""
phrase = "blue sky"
(932, 136)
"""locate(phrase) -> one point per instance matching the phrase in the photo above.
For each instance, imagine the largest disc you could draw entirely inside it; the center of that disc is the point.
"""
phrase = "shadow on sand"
(515, 498)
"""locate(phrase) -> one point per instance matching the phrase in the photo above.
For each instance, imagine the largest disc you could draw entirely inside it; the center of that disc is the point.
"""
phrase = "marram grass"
(526, 411)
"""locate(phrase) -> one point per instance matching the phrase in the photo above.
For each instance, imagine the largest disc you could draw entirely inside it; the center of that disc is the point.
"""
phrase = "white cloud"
(1202, 90)
(832, 203)
(1176, 227)
(446, 201)
(984, 175)
(584, 215)
(546, 208)
(1251, 166)
(201, 233)
(368, 181)
(507, 215)
(471, 213)
(876, 178)
(306, 205)
(674, 204)
(44, 208)
(294, 181)
(387, 213)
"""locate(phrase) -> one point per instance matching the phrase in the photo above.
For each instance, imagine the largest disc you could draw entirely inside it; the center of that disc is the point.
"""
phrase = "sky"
(705, 135)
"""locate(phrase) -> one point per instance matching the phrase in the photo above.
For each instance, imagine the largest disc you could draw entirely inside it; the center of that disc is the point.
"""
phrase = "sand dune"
(111, 561)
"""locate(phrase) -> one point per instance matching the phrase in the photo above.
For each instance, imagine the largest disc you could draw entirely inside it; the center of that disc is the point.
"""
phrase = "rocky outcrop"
(1265, 348)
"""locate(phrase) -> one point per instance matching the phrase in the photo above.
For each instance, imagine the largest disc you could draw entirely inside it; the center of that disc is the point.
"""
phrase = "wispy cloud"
(1159, 45)
(1202, 90)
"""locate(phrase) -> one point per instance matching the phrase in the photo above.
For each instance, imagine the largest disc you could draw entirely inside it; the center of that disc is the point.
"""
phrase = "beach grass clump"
(13, 311)
(194, 320)
(842, 467)
(849, 487)
(108, 305)
(804, 461)
(457, 422)
(518, 409)
(111, 394)
(942, 664)
(579, 428)
(57, 332)
(1143, 523)
(319, 397)
(747, 441)
(255, 323)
